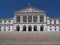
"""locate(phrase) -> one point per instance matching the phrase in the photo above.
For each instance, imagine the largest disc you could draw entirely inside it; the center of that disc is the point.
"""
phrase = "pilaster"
(38, 18)
(21, 18)
(32, 28)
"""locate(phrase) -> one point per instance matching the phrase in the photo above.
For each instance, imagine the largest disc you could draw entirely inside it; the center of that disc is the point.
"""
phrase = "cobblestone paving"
(29, 38)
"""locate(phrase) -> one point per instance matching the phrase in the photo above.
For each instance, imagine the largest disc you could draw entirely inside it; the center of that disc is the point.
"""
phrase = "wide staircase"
(29, 38)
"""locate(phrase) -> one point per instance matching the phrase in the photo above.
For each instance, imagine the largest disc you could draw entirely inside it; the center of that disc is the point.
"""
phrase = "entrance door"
(29, 28)
(18, 28)
(41, 28)
(24, 28)
(35, 28)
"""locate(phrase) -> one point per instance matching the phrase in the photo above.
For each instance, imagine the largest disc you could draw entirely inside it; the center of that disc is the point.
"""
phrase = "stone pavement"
(29, 38)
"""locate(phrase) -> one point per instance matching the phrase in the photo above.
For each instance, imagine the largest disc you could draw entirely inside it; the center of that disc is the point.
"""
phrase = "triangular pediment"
(30, 9)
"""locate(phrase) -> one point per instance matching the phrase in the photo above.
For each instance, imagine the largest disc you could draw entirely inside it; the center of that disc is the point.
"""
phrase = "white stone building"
(30, 19)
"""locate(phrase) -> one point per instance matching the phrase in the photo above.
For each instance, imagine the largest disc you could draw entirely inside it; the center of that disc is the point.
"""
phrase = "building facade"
(30, 19)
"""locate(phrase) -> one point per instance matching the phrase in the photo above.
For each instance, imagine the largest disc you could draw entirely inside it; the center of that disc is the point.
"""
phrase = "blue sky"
(7, 7)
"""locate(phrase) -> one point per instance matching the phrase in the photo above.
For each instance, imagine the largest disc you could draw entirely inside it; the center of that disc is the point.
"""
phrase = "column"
(44, 18)
(21, 18)
(32, 28)
(21, 28)
(38, 18)
(15, 19)
(32, 18)
(44, 28)
(27, 18)
(27, 28)
(38, 28)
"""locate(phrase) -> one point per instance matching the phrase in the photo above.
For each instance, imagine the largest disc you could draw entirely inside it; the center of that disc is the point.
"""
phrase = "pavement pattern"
(29, 38)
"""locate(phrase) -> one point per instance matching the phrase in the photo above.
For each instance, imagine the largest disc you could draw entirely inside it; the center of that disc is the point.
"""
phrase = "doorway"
(24, 28)
(35, 28)
(18, 28)
(29, 28)
(41, 28)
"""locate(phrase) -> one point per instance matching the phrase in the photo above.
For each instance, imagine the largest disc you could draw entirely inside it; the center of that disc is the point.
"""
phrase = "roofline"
(30, 7)
(6, 18)
(53, 18)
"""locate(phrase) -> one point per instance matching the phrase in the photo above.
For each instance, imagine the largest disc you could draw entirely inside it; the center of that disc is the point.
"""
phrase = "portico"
(30, 19)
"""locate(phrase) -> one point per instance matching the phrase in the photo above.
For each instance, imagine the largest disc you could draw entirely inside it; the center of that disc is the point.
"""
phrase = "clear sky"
(7, 7)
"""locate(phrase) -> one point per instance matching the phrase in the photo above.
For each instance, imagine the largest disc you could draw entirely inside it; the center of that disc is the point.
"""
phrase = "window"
(18, 19)
(9, 29)
(29, 18)
(9, 20)
(4, 20)
(54, 21)
(50, 21)
(9, 26)
(41, 18)
(0, 29)
(4, 26)
(24, 18)
(4, 29)
(50, 28)
(35, 18)
(59, 20)
(0, 26)
(59, 26)
(59, 29)
(0, 21)
(55, 28)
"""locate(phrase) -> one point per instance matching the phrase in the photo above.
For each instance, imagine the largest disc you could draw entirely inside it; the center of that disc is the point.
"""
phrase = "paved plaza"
(29, 38)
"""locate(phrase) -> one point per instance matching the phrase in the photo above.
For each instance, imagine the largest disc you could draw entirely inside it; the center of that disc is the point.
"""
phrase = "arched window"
(18, 28)
(29, 28)
(24, 28)
(35, 28)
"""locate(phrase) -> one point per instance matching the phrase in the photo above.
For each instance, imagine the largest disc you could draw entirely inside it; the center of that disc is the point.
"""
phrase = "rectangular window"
(4, 29)
(59, 29)
(5, 21)
(8, 29)
(50, 21)
(29, 18)
(54, 21)
(41, 18)
(55, 29)
(0, 26)
(0, 21)
(0, 29)
(18, 19)
(9, 26)
(59, 20)
(50, 28)
(9, 21)
(24, 18)
(35, 18)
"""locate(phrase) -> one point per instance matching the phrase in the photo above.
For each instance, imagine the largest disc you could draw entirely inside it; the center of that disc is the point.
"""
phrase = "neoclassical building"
(30, 19)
